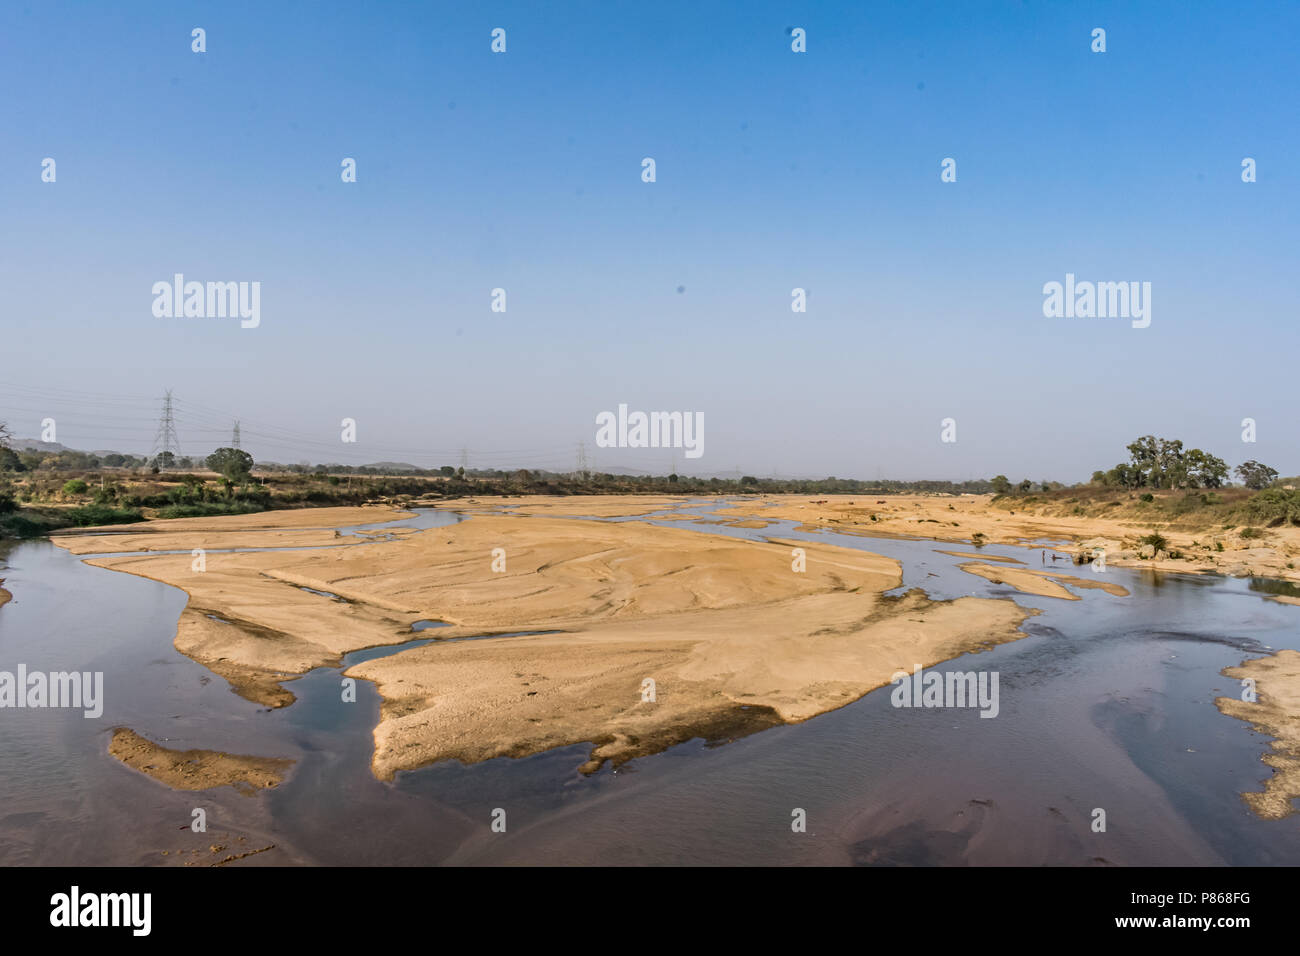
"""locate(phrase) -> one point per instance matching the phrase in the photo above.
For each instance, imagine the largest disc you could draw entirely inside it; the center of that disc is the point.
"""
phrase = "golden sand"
(1044, 583)
(196, 769)
(663, 633)
(960, 518)
(1276, 712)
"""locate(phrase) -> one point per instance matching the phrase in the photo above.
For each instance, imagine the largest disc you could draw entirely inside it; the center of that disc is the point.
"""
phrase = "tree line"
(1163, 463)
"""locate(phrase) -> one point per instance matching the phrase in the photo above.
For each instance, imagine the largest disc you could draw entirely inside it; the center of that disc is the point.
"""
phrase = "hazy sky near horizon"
(775, 170)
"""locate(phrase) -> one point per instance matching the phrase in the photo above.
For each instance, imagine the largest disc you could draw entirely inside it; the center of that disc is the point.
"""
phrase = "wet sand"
(1042, 583)
(196, 769)
(981, 557)
(966, 517)
(1276, 712)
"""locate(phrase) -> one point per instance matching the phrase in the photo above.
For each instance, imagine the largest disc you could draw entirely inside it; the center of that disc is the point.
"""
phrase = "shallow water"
(1107, 704)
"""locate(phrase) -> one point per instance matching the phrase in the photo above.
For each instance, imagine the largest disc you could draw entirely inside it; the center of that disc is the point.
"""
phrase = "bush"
(1156, 540)
(1148, 497)
(208, 508)
(1272, 507)
(1251, 533)
(75, 486)
(99, 514)
(21, 526)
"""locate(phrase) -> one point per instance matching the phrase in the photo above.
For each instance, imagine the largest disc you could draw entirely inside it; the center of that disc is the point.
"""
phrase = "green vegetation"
(1256, 476)
(1273, 507)
(1162, 463)
(99, 514)
(209, 508)
(1156, 540)
(231, 463)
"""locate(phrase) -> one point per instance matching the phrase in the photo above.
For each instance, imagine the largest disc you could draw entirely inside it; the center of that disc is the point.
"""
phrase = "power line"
(166, 440)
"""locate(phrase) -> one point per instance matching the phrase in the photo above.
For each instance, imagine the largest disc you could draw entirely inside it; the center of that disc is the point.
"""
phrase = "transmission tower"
(166, 440)
(583, 468)
(464, 460)
(234, 438)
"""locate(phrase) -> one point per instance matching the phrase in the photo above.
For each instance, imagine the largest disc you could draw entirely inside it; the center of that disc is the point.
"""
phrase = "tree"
(233, 464)
(9, 460)
(1142, 455)
(1171, 464)
(75, 486)
(1025, 486)
(447, 470)
(1205, 470)
(165, 459)
(1157, 463)
(1255, 475)
(4, 435)
(1001, 484)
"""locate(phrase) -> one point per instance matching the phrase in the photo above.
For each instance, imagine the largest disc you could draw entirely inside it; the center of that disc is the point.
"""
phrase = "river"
(1107, 704)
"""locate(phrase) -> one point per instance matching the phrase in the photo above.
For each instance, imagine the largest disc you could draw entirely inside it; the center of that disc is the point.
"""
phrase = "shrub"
(1251, 533)
(208, 508)
(1156, 540)
(20, 526)
(1148, 497)
(99, 514)
(1273, 507)
(75, 486)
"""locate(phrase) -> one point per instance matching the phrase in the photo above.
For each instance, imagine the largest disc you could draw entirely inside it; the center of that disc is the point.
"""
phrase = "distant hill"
(31, 444)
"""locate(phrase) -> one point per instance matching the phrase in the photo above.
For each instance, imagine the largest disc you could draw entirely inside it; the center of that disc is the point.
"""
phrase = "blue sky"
(775, 170)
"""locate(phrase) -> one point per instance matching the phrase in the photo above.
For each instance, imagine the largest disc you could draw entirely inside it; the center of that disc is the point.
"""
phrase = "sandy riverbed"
(1276, 712)
(962, 517)
(196, 769)
(732, 638)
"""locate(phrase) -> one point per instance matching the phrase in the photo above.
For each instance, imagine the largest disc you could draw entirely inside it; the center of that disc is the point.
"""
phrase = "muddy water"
(1106, 705)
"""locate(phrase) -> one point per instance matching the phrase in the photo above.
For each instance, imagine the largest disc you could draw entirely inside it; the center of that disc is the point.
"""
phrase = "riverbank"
(974, 519)
(1275, 712)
